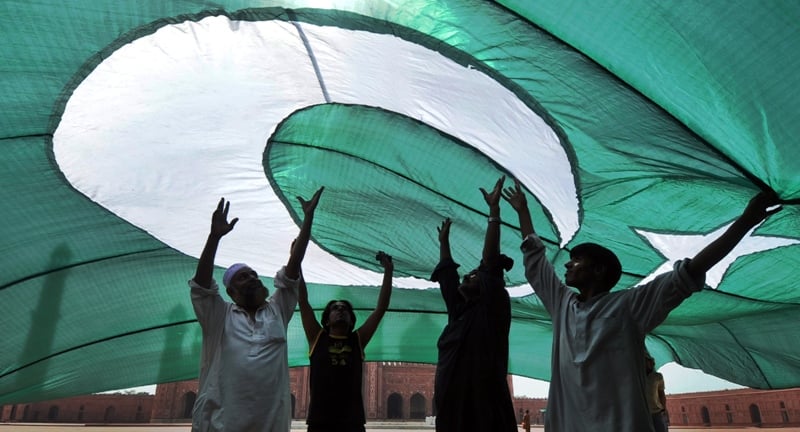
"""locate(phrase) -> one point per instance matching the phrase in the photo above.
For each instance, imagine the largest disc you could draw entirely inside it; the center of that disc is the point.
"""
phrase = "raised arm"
(367, 329)
(310, 324)
(219, 228)
(756, 211)
(444, 240)
(491, 242)
(301, 242)
(516, 197)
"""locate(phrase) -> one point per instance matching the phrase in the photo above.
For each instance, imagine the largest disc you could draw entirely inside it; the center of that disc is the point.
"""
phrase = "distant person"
(336, 356)
(471, 389)
(526, 421)
(244, 370)
(656, 396)
(597, 372)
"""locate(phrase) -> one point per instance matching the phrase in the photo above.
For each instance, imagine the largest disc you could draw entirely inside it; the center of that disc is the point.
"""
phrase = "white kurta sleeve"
(286, 293)
(541, 275)
(652, 302)
(208, 306)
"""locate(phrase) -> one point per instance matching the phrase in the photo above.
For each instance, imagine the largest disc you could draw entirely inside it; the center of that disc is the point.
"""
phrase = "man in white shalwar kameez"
(598, 377)
(244, 370)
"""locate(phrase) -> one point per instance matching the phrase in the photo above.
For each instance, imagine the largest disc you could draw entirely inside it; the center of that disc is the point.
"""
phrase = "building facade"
(99, 408)
(735, 408)
(392, 390)
(402, 392)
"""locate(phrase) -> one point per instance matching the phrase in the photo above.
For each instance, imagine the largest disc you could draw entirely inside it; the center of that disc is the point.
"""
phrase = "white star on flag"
(675, 247)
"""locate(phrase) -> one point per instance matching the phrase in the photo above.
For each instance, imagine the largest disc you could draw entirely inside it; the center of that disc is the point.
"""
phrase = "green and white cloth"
(644, 126)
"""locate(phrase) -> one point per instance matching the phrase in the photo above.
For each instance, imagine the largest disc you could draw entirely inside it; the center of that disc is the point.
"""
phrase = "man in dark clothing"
(471, 392)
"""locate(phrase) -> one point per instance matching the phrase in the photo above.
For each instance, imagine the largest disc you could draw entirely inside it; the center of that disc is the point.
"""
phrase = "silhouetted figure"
(471, 392)
(656, 396)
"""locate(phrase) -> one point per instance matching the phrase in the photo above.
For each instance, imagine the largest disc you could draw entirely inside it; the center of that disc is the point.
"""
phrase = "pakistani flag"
(645, 126)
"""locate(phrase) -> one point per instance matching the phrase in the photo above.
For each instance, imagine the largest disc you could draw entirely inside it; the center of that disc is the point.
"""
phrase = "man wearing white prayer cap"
(244, 368)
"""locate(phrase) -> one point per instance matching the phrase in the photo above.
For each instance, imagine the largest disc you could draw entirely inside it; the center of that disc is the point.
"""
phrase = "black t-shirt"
(335, 381)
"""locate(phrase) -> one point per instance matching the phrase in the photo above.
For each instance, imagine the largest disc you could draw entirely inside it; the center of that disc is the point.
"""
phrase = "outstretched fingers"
(493, 197)
(311, 204)
(444, 229)
(219, 219)
(515, 196)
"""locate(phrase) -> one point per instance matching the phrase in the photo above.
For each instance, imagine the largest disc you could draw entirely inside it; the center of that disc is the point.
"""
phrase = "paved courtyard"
(296, 427)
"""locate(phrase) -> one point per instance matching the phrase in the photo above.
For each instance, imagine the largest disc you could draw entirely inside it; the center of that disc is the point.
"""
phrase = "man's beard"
(252, 291)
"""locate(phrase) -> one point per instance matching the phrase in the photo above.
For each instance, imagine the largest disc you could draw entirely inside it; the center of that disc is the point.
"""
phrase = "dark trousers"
(659, 425)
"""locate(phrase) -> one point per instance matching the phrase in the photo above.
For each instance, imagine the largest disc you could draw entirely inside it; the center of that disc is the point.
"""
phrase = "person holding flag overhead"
(336, 357)
(598, 379)
(471, 389)
(244, 369)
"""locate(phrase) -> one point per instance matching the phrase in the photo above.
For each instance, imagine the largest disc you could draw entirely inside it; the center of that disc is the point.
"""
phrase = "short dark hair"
(602, 256)
(327, 312)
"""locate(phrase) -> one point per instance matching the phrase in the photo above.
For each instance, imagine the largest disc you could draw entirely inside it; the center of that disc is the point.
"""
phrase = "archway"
(109, 415)
(755, 414)
(52, 413)
(706, 418)
(188, 404)
(417, 406)
(394, 406)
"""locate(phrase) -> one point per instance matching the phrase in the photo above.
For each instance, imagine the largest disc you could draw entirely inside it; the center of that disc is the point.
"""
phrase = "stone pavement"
(299, 426)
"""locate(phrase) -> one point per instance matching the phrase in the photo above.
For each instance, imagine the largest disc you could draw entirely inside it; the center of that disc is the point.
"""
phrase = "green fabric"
(672, 116)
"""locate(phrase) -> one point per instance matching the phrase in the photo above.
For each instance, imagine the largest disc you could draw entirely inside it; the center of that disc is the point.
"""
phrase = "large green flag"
(645, 126)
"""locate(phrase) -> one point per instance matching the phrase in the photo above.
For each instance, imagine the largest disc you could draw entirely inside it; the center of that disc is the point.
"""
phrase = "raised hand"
(310, 205)
(219, 227)
(298, 250)
(444, 239)
(515, 196)
(493, 198)
(756, 211)
(759, 206)
(444, 230)
(385, 260)
(219, 219)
